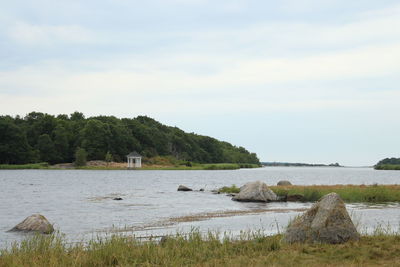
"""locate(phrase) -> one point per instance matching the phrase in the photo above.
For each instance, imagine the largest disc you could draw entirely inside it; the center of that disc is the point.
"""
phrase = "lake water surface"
(80, 202)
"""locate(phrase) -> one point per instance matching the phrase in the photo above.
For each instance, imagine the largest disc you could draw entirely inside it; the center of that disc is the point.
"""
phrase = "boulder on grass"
(284, 183)
(184, 188)
(327, 221)
(255, 192)
(35, 223)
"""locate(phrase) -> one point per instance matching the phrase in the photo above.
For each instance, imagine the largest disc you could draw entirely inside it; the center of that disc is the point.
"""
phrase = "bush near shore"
(395, 167)
(194, 249)
(349, 193)
(43, 165)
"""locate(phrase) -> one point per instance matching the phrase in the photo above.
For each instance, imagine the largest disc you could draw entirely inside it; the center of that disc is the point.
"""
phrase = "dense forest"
(40, 137)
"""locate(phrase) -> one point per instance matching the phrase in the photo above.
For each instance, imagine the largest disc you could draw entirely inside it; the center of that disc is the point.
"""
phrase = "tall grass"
(195, 249)
(42, 165)
(229, 189)
(221, 166)
(179, 250)
(349, 193)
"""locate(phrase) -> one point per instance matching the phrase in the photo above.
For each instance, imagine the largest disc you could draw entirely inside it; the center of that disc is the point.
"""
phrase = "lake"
(80, 202)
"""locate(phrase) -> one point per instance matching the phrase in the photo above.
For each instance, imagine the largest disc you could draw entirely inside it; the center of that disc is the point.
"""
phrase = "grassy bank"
(387, 167)
(197, 250)
(42, 165)
(192, 166)
(349, 193)
(153, 163)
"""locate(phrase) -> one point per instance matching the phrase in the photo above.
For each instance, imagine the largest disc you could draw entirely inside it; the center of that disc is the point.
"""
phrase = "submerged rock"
(255, 192)
(284, 183)
(327, 221)
(35, 223)
(184, 188)
(294, 198)
(117, 198)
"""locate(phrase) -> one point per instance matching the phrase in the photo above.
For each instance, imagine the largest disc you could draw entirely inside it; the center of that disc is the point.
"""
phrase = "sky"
(314, 81)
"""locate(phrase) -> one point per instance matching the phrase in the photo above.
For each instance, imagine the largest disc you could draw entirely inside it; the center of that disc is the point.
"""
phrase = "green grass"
(229, 189)
(42, 165)
(349, 193)
(195, 249)
(249, 166)
(387, 167)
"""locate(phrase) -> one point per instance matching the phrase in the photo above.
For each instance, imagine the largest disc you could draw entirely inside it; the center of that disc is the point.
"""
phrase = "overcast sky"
(313, 81)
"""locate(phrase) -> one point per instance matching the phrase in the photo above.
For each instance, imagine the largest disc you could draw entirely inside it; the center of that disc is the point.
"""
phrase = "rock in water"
(284, 183)
(296, 197)
(255, 192)
(184, 188)
(36, 223)
(326, 222)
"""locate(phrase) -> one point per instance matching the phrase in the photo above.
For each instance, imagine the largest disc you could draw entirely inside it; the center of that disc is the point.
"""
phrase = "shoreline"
(117, 166)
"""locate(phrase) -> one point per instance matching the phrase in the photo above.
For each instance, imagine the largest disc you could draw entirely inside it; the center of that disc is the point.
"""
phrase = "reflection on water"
(80, 202)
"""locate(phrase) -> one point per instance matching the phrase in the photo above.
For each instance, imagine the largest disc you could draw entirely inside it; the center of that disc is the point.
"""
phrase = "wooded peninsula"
(41, 137)
(388, 164)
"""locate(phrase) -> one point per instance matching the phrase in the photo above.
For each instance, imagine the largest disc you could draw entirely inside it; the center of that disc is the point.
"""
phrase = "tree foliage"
(80, 157)
(389, 161)
(56, 139)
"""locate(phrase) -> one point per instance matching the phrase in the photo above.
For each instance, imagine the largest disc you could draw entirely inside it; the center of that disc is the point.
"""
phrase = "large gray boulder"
(327, 221)
(284, 183)
(184, 188)
(255, 192)
(35, 223)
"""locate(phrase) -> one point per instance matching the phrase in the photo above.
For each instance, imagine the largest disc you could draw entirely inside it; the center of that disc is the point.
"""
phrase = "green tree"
(14, 147)
(96, 138)
(61, 143)
(80, 157)
(46, 149)
(108, 158)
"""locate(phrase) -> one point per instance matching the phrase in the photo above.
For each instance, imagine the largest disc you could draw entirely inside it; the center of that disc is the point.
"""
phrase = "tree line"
(41, 137)
(389, 161)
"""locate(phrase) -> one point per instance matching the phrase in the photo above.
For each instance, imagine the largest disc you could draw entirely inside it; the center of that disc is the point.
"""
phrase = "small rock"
(184, 188)
(117, 198)
(201, 190)
(255, 192)
(35, 223)
(294, 198)
(284, 183)
(327, 221)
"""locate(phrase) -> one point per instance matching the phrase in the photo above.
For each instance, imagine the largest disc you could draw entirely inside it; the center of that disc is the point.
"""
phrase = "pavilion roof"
(133, 154)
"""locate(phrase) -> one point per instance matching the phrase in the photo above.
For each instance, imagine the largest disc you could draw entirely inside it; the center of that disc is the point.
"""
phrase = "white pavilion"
(134, 160)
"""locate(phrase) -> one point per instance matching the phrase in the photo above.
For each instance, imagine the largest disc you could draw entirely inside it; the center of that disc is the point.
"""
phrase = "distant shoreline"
(120, 166)
(289, 164)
